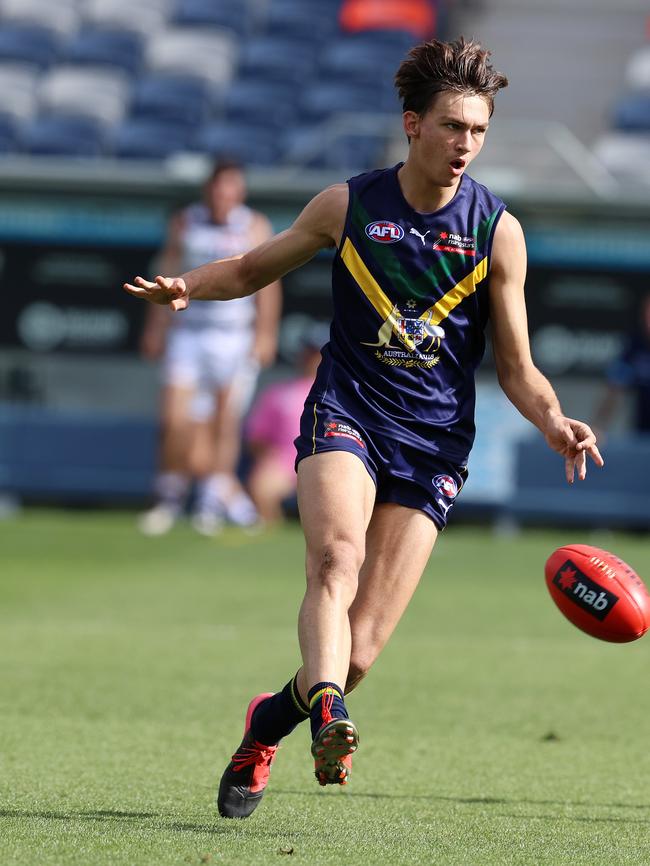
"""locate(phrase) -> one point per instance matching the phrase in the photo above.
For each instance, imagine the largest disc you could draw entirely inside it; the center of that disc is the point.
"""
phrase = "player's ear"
(411, 122)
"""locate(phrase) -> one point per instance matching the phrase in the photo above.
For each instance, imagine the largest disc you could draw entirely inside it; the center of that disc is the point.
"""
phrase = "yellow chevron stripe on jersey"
(388, 311)
(463, 289)
(369, 285)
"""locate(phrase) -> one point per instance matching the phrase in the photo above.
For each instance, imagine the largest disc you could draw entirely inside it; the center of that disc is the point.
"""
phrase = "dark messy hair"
(434, 66)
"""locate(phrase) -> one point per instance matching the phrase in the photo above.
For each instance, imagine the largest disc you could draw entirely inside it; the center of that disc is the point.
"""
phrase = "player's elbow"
(513, 370)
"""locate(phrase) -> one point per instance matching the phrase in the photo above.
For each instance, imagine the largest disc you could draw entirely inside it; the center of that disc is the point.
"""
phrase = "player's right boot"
(332, 749)
(246, 776)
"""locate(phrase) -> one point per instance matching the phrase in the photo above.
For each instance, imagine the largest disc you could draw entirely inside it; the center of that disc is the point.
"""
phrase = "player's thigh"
(176, 402)
(399, 542)
(335, 499)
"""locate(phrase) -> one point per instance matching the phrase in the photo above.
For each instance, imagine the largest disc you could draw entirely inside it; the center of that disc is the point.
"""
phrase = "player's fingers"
(595, 455)
(569, 468)
(134, 290)
(144, 284)
(165, 282)
(581, 465)
(179, 304)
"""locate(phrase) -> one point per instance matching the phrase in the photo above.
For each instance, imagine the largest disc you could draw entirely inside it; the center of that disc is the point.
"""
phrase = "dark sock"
(325, 699)
(277, 716)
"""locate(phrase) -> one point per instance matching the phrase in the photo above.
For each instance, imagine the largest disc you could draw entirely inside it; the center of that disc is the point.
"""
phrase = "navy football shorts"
(400, 472)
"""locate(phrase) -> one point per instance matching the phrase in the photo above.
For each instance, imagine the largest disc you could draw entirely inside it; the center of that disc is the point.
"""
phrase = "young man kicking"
(424, 255)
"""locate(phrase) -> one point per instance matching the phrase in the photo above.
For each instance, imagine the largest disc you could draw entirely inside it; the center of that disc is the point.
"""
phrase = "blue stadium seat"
(63, 136)
(146, 138)
(171, 98)
(207, 13)
(254, 101)
(394, 42)
(39, 45)
(633, 112)
(8, 135)
(102, 47)
(300, 20)
(308, 147)
(360, 58)
(277, 59)
(255, 145)
(320, 101)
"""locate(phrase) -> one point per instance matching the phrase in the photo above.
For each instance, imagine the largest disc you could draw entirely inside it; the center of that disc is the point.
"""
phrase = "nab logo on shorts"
(446, 485)
(384, 232)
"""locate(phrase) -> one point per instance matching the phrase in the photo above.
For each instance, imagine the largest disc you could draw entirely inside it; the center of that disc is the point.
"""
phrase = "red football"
(598, 592)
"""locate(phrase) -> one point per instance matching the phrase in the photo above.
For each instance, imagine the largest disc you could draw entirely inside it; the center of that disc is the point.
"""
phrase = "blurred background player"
(210, 361)
(630, 373)
(273, 425)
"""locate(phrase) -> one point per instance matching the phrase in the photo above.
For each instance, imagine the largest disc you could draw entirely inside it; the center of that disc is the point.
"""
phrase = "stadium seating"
(207, 13)
(8, 135)
(29, 44)
(252, 101)
(171, 99)
(300, 21)
(241, 74)
(207, 54)
(95, 93)
(59, 135)
(269, 58)
(320, 101)
(149, 138)
(18, 85)
(310, 147)
(99, 46)
(61, 17)
(254, 144)
(632, 113)
(145, 17)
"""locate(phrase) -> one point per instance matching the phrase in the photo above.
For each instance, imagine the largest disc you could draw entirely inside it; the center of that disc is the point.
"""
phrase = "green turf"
(492, 731)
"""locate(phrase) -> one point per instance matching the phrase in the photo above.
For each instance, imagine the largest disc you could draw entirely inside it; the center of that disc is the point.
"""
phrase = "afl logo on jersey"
(384, 232)
(446, 485)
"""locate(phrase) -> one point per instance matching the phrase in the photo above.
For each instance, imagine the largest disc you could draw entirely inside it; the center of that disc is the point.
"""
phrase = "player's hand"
(574, 440)
(265, 349)
(167, 291)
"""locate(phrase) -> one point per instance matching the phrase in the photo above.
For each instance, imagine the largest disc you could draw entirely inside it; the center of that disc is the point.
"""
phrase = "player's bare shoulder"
(508, 246)
(326, 212)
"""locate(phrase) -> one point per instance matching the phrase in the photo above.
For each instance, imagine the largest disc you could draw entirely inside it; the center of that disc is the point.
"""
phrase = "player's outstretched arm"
(524, 385)
(319, 226)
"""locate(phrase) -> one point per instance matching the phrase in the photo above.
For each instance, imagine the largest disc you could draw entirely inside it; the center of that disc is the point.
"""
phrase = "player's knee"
(335, 567)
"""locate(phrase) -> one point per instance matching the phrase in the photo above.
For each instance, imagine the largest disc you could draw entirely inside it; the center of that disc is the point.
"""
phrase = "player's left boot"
(246, 776)
(332, 749)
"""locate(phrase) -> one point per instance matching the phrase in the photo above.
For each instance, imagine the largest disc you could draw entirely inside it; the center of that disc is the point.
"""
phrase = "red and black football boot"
(333, 746)
(246, 776)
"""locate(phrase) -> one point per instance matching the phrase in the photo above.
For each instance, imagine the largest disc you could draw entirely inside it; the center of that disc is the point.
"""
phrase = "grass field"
(492, 731)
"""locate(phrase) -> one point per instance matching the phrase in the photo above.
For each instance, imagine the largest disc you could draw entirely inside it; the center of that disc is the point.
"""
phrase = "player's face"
(446, 139)
(225, 192)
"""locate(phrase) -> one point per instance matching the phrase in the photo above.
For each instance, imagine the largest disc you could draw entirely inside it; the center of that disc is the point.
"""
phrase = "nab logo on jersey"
(384, 232)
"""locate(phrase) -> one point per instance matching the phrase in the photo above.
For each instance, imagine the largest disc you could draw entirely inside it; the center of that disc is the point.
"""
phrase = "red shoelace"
(326, 706)
(258, 754)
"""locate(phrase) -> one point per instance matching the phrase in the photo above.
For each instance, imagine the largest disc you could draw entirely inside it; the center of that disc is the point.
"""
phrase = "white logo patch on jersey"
(422, 237)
